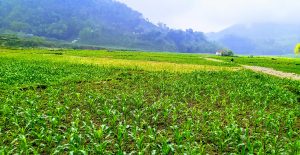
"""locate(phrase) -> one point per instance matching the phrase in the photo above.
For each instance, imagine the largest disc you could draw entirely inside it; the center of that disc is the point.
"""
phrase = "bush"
(297, 49)
(227, 52)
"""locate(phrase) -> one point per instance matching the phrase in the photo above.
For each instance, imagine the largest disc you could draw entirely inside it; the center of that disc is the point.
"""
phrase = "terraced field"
(117, 102)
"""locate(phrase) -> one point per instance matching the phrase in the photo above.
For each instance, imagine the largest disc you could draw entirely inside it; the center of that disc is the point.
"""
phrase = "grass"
(278, 63)
(158, 63)
(123, 55)
(52, 105)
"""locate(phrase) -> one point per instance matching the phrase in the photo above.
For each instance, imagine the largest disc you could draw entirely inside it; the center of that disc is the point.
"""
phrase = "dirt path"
(273, 72)
(266, 70)
(215, 60)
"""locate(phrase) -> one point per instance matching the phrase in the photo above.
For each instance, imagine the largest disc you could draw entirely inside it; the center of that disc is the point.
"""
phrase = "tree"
(89, 36)
(226, 52)
(297, 49)
(96, 22)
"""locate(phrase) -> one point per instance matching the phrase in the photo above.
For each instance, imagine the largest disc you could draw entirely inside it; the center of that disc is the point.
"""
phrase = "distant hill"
(262, 39)
(106, 23)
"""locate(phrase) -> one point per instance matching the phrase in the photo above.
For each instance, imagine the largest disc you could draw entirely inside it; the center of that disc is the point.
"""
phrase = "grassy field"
(279, 63)
(101, 102)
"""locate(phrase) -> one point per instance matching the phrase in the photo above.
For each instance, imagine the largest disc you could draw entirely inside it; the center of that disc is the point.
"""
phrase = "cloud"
(214, 15)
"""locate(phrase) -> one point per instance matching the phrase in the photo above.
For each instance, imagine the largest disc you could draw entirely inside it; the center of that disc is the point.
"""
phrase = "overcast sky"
(215, 15)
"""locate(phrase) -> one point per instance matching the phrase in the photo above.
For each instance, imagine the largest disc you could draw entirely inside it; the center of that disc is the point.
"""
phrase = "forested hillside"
(262, 38)
(106, 23)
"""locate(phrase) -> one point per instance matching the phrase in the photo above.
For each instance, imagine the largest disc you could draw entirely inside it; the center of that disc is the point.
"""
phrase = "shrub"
(227, 52)
(297, 49)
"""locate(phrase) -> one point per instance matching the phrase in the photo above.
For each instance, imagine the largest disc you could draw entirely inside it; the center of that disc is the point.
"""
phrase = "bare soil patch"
(273, 72)
(215, 60)
(266, 70)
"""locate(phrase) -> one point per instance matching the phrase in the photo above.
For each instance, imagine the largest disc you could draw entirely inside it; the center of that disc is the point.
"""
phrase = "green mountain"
(260, 39)
(106, 23)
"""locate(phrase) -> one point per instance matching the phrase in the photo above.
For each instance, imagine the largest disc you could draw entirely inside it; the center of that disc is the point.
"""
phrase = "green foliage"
(25, 41)
(105, 23)
(56, 107)
(279, 63)
(15, 41)
(226, 52)
(297, 49)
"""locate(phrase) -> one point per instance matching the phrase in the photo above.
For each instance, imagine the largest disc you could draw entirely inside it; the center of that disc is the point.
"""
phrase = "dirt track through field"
(273, 72)
(215, 60)
(266, 70)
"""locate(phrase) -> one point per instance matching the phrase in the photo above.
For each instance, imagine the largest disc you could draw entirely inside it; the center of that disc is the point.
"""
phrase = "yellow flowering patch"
(134, 64)
(147, 65)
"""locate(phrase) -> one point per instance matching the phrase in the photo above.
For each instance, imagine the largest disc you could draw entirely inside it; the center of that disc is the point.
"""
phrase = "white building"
(219, 53)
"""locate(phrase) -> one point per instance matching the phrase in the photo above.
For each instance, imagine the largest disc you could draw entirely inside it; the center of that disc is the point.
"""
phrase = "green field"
(279, 63)
(117, 102)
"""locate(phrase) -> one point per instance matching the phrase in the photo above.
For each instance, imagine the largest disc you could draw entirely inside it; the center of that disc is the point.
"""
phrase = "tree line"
(105, 23)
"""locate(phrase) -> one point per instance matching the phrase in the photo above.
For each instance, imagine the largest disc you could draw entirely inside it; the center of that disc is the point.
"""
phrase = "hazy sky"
(214, 15)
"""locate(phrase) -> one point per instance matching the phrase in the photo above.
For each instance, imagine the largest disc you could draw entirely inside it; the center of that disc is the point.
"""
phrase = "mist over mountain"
(105, 23)
(260, 38)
